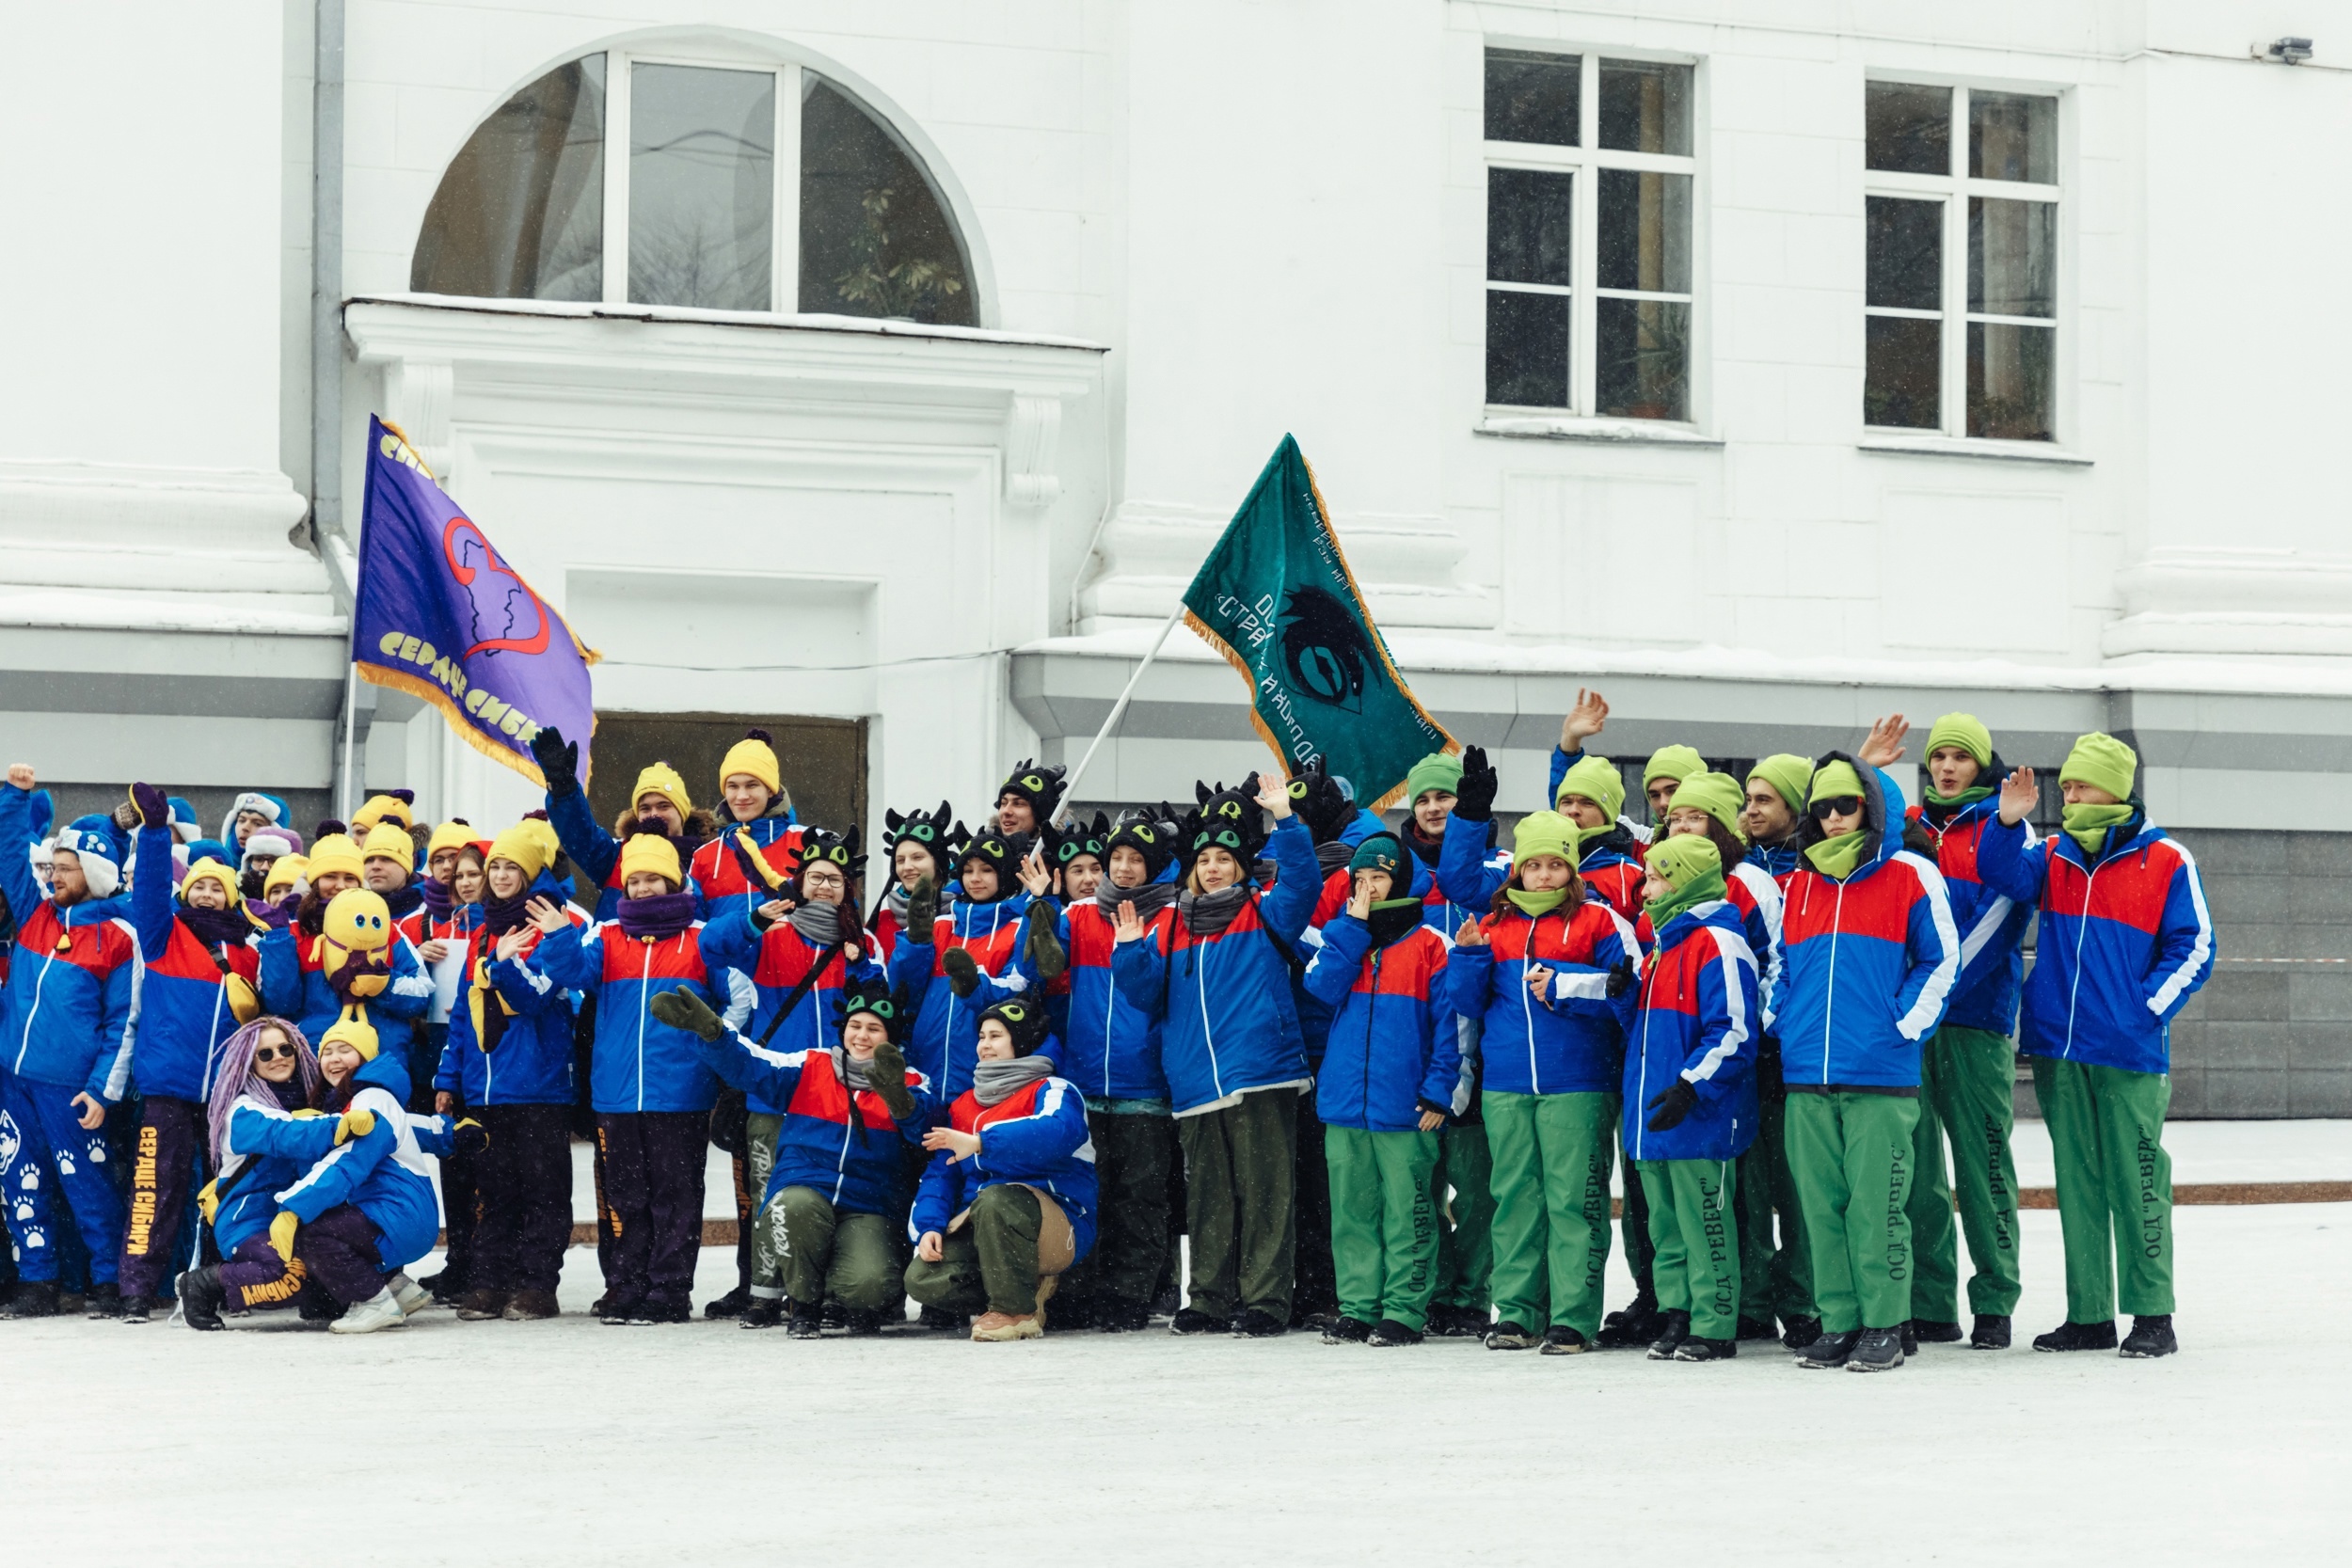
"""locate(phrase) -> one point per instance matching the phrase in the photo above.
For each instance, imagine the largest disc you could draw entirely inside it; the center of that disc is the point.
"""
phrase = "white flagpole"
(1119, 710)
(351, 715)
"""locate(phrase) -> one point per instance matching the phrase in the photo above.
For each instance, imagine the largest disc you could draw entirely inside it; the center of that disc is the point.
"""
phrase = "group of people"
(1379, 1077)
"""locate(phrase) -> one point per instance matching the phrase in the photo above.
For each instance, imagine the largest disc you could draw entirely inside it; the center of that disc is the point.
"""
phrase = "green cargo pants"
(1550, 1155)
(2114, 1185)
(827, 1255)
(1851, 1155)
(1239, 1163)
(763, 1225)
(1694, 1246)
(989, 1262)
(1462, 1186)
(1383, 1223)
(1966, 1091)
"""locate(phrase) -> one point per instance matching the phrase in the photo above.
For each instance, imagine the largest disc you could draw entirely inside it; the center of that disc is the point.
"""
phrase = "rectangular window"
(702, 155)
(1960, 232)
(1589, 196)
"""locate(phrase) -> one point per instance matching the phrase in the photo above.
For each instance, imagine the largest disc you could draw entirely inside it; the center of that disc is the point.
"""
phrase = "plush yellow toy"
(359, 926)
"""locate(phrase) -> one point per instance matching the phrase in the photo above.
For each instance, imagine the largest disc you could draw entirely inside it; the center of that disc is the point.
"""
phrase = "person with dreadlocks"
(658, 804)
(800, 942)
(1007, 1204)
(1027, 800)
(268, 1077)
(995, 940)
(758, 808)
(1217, 977)
(835, 1190)
(298, 982)
(916, 844)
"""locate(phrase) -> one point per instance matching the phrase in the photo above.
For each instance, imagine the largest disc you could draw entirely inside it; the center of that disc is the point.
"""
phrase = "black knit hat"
(873, 998)
(1041, 786)
(1149, 834)
(1228, 820)
(1022, 1019)
(1322, 800)
(1064, 845)
(841, 849)
(1002, 853)
(927, 829)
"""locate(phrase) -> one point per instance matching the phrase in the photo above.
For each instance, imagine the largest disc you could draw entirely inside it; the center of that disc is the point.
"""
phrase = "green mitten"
(964, 970)
(682, 1009)
(887, 1077)
(922, 908)
(1042, 950)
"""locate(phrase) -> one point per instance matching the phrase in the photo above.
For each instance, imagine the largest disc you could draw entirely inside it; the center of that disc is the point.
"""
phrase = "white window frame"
(1585, 161)
(784, 244)
(1954, 190)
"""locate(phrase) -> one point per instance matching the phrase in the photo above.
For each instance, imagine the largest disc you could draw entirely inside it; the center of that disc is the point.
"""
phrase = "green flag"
(1277, 599)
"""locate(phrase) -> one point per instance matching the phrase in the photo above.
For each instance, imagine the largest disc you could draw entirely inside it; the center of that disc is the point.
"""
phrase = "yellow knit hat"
(218, 872)
(755, 757)
(391, 841)
(523, 847)
(382, 808)
(284, 872)
(654, 853)
(454, 834)
(662, 778)
(353, 1029)
(335, 852)
(542, 832)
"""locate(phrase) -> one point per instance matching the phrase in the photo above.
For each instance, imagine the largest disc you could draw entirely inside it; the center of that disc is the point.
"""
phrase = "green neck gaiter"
(1698, 890)
(2088, 825)
(1968, 797)
(1837, 856)
(1586, 835)
(1533, 905)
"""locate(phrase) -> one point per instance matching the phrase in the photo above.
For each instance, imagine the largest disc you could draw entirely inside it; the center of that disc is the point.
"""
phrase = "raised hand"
(1034, 877)
(154, 810)
(1471, 935)
(545, 915)
(1274, 794)
(20, 775)
(558, 760)
(1129, 927)
(2019, 796)
(1584, 721)
(1474, 796)
(1884, 746)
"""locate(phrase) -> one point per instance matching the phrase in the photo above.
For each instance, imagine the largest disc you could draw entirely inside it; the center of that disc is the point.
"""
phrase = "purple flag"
(442, 616)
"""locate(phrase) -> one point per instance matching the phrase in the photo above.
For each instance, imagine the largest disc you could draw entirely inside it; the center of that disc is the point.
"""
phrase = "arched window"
(728, 198)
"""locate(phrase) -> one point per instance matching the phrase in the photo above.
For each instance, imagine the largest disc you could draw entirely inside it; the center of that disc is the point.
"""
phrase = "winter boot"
(1252, 1323)
(2151, 1337)
(1698, 1349)
(1346, 1331)
(1990, 1333)
(990, 1328)
(1456, 1323)
(1560, 1340)
(666, 1312)
(1757, 1329)
(862, 1323)
(481, 1306)
(413, 1297)
(1192, 1321)
(615, 1310)
(445, 1287)
(1388, 1333)
(1113, 1315)
(2073, 1336)
(1311, 1320)
(1910, 1341)
(837, 1313)
(1511, 1336)
(761, 1312)
(138, 1310)
(1800, 1331)
(803, 1323)
(530, 1307)
(940, 1318)
(202, 1294)
(34, 1298)
(1879, 1349)
(1929, 1331)
(1830, 1350)
(315, 1307)
(1635, 1324)
(379, 1311)
(1673, 1328)
(72, 1303)
(729, 1305)
(103, 1301)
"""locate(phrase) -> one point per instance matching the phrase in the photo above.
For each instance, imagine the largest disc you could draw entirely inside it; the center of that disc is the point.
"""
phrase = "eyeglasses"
(273, 1052)
(1836, 805)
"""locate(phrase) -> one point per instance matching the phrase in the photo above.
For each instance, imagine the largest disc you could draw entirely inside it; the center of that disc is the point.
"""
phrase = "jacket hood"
(1882, 803)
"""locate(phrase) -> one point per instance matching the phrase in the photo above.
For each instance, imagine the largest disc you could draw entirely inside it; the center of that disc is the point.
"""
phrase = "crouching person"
(835, 1188)
(267, 1077)
(1007, 1202)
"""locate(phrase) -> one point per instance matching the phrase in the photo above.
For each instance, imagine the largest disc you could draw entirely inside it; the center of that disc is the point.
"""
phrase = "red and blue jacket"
(295, 986)
(857, 1163)
(946, 1038)
(531, 1063)
(1696, 1021)
(1392, 1044)
(381, 1172)
(456, 929)
(1991, 925)
(73, 996)
(184, 1013)
(1227, 1024)
(714, 870)
(1110, 1047)
(1752, 891)
(777, 959)
(640, 1063)
(1871, 960)
(598, 854)
(1036, 1137)
(1572, 1041)
(2125, 941)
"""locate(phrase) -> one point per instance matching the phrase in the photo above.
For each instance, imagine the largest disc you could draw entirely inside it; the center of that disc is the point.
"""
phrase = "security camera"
(2286, 51)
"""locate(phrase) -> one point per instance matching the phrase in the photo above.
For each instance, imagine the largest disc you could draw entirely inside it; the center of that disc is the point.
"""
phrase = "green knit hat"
(1677, 860)
(1598, 780)
(1436, 771)
(1788, 774)
(1380, 853)
(1833, 779)
(1544, 833)
(1671, 761)
(1719, 795)
(1965, 731)
(2102, 762)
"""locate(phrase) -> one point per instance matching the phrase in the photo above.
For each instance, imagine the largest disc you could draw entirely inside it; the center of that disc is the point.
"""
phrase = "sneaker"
(761, 1312)
(1697, 1347)
(1830, 1350)
(530, 1307)
(2151, 1337)
(1511, 1336)
(1800, 1331)
(1254, 1324)
(1636, 1323)
(1990, 1333)
(1189, 1320)
(1933, 1331)
(482, 1306)
(138, 1310)
(1560, 1340)
(1346, 1331)
(103, 1301)
(1115, 1316)
(1388, 1333)
(33, 1299)
(1673, 1328)
(1757, 1329)
(1459, 1322)
(861, 1322)
(1879, 1349)
(379, 1311)
(803, 1323)
(729, 1305)
(413, 1297)
(2074, 1335)
(615, 1310)
(1000, 1328)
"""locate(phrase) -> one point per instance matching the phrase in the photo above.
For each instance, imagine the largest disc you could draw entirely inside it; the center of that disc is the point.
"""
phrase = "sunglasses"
(1836, 805)
(272, 1052)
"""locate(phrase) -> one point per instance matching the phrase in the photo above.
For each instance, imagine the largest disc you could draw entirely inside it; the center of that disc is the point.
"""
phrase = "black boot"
(33, 1299)
(1910, 1341)
(761, 1312)
(1757, 1329)
(446, 1286)
(1830, 1350)
(202, 1294)
(803, 1323)
(1636, 1323)
(940, 1318)
(138, 1310)
(1673, 1328)
(1990, 1333)
(1113, 1315)
(103, 1301)
(1560, 1340)
(2151, 1337)
(1346, 1331)
(2074, 1335)
(1190, 1319)
(1879, 1349)
(1801, 1333)
(1931, 1331)
(1253, 1322)
(1698, 1349)
(862, 1323)
(729, 1305)
(1387, 1332)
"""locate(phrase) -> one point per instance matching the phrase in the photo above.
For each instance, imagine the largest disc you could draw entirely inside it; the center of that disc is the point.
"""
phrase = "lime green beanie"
(1965, 731)
(1833, 779)
(1544, 833)
(1671, 761)
(1719, 795)
(2102, 762)
(1679, 860)
(1788, 774)
(1598, 780)
(1436, 771)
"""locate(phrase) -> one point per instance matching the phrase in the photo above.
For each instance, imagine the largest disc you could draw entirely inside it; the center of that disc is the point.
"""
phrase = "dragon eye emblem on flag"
(1324, 648)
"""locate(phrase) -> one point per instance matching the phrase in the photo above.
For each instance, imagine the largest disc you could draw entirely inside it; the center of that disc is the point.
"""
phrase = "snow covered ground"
(571, 1443)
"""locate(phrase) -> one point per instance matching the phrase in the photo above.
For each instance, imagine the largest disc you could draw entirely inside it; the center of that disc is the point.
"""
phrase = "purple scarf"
(665, 915)
(214, 927)
(501, 915)
(439, 898)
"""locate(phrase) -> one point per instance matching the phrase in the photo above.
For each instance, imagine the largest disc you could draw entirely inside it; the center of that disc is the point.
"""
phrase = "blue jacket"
(946, 1038)
(1776, 859)
(598, 854)
(184, 1013)
(1992, 925)
(775, 961)
(1572, 1041)
(1110, 1047)
(1868, 962)
(72, 1003)
(1471, 870)
(531, 1063)
(856, 1164)
(267, 1147)
(1393, 1045)
(2125, 941)
(1697, 1021)
(295, 987)
(641, 1063)
(1224, 1001)
(1036, 1137)
(382, 1173)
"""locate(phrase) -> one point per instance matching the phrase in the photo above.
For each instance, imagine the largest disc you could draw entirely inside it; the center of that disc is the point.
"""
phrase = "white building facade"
(1768, 365)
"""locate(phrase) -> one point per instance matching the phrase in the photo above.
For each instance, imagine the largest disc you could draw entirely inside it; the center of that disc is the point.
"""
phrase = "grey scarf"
(818, 924)
(1208, 914)
(1149, 899)
(849, 1070)
(896, 902)
(995, 1082)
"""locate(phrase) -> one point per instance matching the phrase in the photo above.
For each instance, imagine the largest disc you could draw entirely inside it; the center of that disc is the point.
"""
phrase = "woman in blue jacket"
(1217, 976)
(269, 1075)
(1387, 1083)
(1690, 1094)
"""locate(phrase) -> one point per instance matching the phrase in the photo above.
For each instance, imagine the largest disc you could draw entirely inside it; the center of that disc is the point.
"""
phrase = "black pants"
(1318, 1288)
(653, 1202)
(1131, 1157)
(523, 1202)
(461, 1206)
(166, 1165)
(337, 1252)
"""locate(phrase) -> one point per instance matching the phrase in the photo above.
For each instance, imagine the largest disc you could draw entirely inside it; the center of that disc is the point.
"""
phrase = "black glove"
(1622, 978)
(1474, 796)
(922, 908)
(1041, 949)
(559, 760)
(886, 1075)
(1429, 1105)
(1672, 1105)
(681, 1008)
(469, 1136)
(964, 970)
(154, 810)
